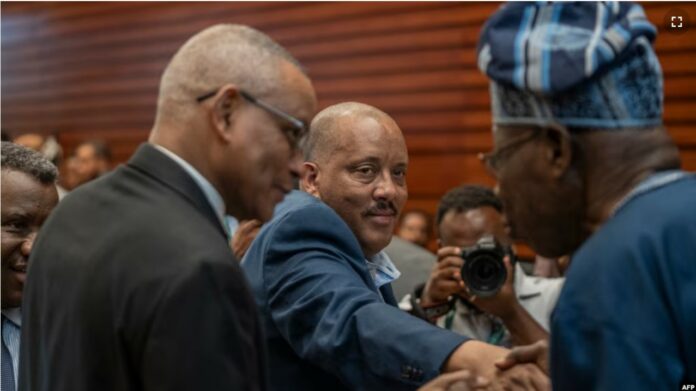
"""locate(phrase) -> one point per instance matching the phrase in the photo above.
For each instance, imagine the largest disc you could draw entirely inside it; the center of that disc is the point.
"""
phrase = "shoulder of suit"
(303, 218)
(301, 205)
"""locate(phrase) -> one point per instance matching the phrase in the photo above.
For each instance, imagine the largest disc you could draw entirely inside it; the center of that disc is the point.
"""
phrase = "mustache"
(382, 208)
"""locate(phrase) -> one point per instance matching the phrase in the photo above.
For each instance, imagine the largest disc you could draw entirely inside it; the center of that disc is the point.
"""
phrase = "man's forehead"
(13, 178)
(297, 95)
(23, 194)
(28, 206)
(373, 153)
(19, 208)
(476, 219)
(367, 132)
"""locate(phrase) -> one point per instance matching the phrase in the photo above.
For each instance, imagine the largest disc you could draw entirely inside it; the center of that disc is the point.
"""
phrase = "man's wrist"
(427, 301)
(512, 314)
(427, 309)
(434, 311)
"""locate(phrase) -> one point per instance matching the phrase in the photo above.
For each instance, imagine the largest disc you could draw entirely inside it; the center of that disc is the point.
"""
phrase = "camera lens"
(485, 269)
(484, 273)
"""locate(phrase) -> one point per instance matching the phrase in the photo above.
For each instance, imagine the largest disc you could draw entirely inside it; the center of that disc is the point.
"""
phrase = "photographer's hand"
(445, 279)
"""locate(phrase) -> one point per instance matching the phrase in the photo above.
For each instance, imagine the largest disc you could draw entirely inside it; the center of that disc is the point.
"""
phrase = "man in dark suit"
(321, 279)
(132, 285)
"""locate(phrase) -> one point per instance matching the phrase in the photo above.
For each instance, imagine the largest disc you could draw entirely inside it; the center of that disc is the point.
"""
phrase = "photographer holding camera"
(500, 304)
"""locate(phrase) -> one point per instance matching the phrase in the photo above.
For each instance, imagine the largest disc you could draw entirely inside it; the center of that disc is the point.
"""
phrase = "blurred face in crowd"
(541, 192)
(69, 176)
(414, 228)
(26, 203)
(31, 141)
(261, 161)
(87, 165)
(464, 229)
(364, 180)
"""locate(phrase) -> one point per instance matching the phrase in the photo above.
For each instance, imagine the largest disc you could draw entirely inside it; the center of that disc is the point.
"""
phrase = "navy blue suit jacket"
(326, 324)
(626, 318)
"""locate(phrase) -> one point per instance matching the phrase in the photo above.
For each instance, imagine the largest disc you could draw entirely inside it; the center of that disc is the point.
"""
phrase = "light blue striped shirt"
(382, 270)
(11, 334)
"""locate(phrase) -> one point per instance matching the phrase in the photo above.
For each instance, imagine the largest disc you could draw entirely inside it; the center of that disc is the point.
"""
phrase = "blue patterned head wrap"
(582, 65)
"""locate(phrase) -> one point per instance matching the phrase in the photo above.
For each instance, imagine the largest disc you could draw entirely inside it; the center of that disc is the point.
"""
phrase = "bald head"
(328, 127)
(219, 55)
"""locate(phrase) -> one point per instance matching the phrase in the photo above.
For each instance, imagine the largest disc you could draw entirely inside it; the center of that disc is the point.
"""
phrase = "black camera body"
(484, 270)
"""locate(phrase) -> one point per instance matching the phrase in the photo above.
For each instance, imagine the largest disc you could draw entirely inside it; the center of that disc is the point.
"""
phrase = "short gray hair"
(224, 53)
(19, 158)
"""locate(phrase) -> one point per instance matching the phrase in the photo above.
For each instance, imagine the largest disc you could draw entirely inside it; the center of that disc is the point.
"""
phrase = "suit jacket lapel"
(153, 163)
(388, 294)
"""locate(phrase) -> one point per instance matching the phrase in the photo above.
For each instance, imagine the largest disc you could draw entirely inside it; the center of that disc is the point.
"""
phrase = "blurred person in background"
(32, 141)
(68, 173)
(415, 227)
(92, 159)
(408, 250)
(413, 261)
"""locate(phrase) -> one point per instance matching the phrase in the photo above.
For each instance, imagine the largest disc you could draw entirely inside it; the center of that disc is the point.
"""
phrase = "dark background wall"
(91, 70)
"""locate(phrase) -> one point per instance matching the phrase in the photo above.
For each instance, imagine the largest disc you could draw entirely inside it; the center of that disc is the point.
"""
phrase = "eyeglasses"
(294, 132)
(493, 159)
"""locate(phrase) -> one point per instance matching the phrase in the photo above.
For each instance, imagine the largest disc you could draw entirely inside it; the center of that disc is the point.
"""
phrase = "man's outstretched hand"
(536, 353)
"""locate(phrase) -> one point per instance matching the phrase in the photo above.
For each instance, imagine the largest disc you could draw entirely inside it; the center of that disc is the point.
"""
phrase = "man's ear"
(310, 178)
(559, 150)
(224, 110)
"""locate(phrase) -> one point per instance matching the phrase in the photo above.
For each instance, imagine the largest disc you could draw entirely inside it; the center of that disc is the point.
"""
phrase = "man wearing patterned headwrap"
(584, 166)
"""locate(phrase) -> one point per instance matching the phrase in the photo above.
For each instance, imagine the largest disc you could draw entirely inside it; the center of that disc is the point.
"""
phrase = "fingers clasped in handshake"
(480, 366)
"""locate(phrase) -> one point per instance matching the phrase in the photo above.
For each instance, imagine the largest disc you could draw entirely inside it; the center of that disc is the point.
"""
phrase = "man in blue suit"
(321, 280)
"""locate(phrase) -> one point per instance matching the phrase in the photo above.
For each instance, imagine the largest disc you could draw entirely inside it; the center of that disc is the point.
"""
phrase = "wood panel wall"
(91, 70)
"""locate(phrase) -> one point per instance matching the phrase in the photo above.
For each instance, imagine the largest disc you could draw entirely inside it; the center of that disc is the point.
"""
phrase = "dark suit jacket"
(327, 325)
(132, 286)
